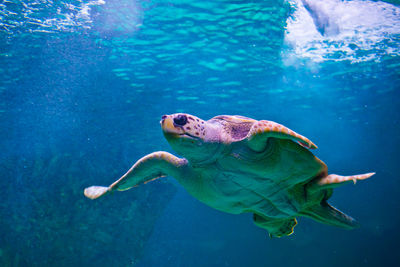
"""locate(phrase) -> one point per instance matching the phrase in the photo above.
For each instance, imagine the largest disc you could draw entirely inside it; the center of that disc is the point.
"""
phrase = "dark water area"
(83, 85)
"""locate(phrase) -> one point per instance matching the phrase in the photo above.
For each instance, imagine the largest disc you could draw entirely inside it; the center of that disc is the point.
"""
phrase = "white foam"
(39, 16)
(345, 29)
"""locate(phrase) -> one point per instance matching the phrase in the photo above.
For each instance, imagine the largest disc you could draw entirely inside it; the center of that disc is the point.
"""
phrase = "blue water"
(83, 85)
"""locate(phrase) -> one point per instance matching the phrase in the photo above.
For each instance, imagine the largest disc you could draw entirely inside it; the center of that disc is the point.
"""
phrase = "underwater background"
(83, 85)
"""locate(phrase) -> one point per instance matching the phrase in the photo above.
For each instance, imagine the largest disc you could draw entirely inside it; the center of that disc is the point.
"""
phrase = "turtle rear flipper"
(334, 180)
(327, 214)
(275, 227)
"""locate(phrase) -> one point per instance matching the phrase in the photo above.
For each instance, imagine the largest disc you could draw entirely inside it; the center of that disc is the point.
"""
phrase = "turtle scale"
(239, 165)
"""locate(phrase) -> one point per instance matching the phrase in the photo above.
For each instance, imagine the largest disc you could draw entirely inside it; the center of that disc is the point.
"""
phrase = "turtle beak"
(168, 126)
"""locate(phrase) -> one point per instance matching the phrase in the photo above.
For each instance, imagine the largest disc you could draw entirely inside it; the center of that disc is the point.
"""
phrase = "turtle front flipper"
(262, 130)
(275, 227)
(148, 168)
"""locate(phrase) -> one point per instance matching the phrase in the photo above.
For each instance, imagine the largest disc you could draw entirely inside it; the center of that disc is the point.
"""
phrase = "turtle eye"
(180, 120)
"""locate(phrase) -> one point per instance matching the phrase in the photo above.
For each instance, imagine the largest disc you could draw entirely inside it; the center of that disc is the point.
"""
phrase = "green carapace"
(237, 164)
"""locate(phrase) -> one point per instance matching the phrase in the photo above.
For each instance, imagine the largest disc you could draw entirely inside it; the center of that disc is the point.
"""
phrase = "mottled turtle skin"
(239, 165)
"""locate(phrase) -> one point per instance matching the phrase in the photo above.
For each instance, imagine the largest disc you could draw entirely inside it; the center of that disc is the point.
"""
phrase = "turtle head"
(195, 139)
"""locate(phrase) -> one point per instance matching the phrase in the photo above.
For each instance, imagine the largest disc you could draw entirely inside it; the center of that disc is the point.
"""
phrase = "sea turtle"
(236, 164)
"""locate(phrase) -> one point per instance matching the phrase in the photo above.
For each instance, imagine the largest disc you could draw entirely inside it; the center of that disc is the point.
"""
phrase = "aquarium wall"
(83, 86)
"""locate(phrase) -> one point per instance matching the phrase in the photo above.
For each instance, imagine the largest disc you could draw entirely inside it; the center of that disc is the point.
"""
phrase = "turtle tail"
(94, 192)
(327, 214)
